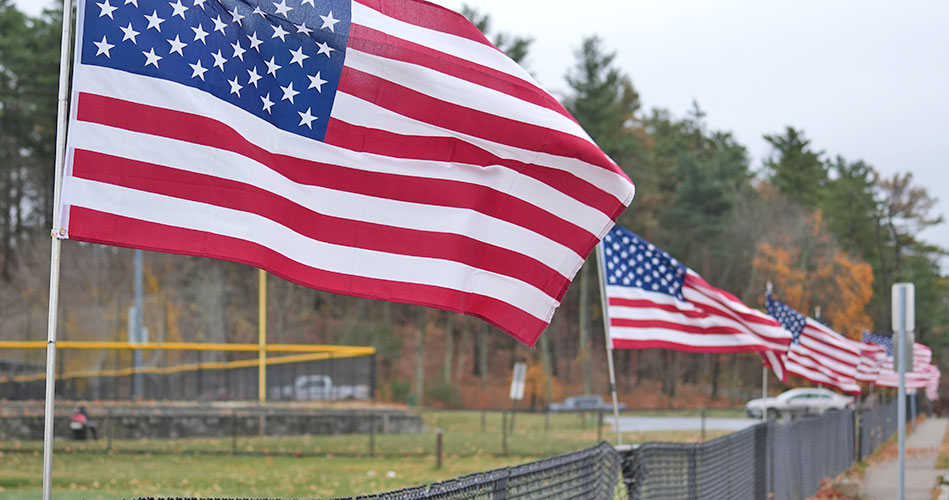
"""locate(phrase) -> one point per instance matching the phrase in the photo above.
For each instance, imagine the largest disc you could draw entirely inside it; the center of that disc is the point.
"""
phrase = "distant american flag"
(654, 301)
(379, 148)
(922, 374)
(817, 353)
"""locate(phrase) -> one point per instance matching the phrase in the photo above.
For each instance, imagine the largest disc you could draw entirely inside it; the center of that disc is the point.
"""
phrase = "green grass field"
(300, 466)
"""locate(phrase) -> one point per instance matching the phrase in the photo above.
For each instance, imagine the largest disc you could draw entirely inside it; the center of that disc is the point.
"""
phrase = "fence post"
(438, 448)
(599, 425)
(703, 425)
(108, 430)
(234, 432)
(372, 435)
(693, 483)
(547, 419)
(504, 432)
(484, 420)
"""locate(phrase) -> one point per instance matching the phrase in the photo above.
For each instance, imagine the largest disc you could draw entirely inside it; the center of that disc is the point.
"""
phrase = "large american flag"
(817, 353)
(654, 301)
(379, 148)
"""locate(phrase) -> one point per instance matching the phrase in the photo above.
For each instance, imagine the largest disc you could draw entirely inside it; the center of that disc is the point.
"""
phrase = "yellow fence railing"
(305, 353)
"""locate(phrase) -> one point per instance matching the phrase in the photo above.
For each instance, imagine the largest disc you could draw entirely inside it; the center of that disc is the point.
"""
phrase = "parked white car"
(319, 388)
(800, 401)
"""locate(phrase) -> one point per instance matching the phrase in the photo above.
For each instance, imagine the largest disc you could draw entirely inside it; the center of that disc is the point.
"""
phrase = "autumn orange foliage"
(809, 271)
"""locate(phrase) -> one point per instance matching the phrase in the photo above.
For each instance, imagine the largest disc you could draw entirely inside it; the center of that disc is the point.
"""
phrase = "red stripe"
(648, 304)
(678, 327)
(98, 227)
(428, 15)
(314, 225)
(451, 149)
(450, 116)
(206, 131)
(661, 344)
(381, 44)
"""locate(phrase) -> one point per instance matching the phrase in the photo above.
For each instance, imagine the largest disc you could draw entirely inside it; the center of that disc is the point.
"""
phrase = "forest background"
(829, 232)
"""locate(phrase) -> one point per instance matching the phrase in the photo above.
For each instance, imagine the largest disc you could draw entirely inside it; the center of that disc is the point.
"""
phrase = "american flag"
(922, 370)
(817, 353)
(654, 301)
(378, 148)
(871, 361)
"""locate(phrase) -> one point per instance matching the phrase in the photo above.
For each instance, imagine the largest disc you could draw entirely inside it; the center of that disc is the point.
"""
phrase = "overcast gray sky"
(866, 79)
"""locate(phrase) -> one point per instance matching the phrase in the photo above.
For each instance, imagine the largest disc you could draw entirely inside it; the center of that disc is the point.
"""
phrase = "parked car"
(588, 402)
(800, 401)
(319, 388)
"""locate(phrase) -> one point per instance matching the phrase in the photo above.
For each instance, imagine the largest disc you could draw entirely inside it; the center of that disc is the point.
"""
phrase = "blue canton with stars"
(280, 61)
(885, 341)
(790, 319)
(634, 262)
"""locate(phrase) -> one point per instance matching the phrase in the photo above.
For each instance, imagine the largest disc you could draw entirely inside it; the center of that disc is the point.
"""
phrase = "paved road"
(880, 481)
(642, 424)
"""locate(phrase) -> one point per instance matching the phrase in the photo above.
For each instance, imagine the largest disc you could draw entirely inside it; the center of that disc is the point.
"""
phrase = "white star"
(219, 24)
(198, 70)
(151, 57)
(179, 9)
(316, 82)
(219, 59)
(199, 3)
(304, 2)
(235, 87)
(238, 51)
(236, 16)
(278, 32)
(282, 8)
(130, 33)
(324, 49)
(267, 102)
(297, 56)
(306, 119)
(200, 34)
(103, 47)
(154, 21)
(288, 93)
(303, 29)
(133, 2)
(254, 41)
(258, 11)
(177, 45)
(329, 22)
(252, 74)
(272, 67)
(107, 9)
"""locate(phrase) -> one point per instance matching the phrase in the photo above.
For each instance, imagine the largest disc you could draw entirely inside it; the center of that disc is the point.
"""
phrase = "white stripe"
(675, 337)
(228, 165)
(464, 48)
(174, 96)
(356, 111)
(319, 255)
(462, 92)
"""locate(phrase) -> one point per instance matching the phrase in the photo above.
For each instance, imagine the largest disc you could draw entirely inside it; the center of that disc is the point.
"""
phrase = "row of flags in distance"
(654, 301)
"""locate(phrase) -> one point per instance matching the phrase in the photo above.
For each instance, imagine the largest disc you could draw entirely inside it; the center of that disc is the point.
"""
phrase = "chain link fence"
(876, 426)
(779, 460)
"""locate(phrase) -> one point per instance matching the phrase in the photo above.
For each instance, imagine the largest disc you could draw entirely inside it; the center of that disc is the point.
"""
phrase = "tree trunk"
(548, 376)
(449, 348)
(483, 354)
(716, 367)
(420, 360)
(586, 365)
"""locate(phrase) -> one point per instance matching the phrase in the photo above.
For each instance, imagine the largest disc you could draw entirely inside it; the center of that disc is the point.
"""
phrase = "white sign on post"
(517, 382)
(908, 327)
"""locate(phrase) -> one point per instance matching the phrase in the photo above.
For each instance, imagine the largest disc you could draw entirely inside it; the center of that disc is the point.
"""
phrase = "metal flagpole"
(606, 332)
(764, 371)
(56, 233)
(262, 336)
